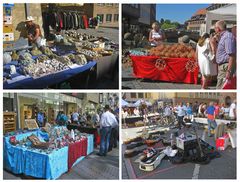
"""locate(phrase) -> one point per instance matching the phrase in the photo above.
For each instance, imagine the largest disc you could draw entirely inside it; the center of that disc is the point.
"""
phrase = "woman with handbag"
(206, 59)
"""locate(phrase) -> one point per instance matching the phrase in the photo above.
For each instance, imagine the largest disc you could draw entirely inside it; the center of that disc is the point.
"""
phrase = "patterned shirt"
(226, 46)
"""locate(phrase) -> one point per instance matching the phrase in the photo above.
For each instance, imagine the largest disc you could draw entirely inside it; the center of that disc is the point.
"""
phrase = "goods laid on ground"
(183, 148)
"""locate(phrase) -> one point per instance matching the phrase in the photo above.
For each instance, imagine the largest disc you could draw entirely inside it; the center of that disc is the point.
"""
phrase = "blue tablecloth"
(34, 163)
(48, 80)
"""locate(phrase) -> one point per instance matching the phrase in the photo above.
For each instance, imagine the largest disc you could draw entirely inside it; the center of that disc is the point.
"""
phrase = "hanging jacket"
(85, 21)
(68, 21)
(64, 20)
(76, 21)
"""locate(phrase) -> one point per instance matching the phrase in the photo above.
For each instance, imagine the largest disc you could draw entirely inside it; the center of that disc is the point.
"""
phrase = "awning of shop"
(227, 13)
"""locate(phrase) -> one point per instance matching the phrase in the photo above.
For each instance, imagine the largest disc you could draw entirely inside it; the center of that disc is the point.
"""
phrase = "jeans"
(105, 134)
(211, 125)
(180, 121)
(113, 139)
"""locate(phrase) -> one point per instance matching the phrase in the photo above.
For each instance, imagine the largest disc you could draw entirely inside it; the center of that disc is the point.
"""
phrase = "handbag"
(230, 83)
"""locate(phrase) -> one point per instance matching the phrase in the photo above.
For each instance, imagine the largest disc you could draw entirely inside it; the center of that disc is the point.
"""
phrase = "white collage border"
(120, 90)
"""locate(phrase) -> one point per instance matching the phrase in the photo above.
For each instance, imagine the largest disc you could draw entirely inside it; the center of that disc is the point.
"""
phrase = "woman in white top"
(156, 35)
(206, 59)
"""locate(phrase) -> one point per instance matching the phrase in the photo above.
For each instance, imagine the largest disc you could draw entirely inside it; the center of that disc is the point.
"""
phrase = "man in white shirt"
(75, 117)
(107, 122)
(232, 110)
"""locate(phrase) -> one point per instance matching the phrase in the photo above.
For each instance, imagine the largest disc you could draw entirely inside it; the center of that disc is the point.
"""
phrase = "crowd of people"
(183, 111)
(106, 121)
(216, 54)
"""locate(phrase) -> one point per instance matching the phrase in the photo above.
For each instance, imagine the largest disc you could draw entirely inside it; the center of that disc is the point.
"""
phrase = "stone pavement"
(91, 167)
(111, 33)
(219, 168)
(130, 82)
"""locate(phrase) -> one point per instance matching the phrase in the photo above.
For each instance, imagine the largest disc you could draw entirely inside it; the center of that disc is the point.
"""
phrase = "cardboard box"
(8, 29)
(8, 45)
(8, 36)
(7, 20)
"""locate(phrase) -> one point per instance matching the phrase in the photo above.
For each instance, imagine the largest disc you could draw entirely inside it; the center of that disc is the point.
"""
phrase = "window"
(133, 95)
(115, 18)
(101, 17)
(109, 18)
(100, 4)
(140, 95)
(109, 4)
(116, 5)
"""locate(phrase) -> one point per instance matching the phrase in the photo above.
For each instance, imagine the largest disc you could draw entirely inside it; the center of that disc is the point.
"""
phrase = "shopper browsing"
(226, 54)
(211, 118)
(107, 122)
(206, 59)
(75, 117)
(232, 111)
(181, 112)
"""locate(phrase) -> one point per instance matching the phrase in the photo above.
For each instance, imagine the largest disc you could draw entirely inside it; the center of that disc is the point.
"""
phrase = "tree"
(161, 21)
(167, 21)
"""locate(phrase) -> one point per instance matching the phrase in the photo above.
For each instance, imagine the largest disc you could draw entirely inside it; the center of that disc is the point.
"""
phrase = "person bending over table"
(156, 35)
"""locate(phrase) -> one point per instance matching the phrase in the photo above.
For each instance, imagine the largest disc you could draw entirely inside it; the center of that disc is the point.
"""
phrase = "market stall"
(89, 130)
(66, 58)
(170, 63)
(45, 155)
(227, 13)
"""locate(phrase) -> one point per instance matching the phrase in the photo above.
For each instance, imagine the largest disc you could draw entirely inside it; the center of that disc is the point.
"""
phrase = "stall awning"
(227, 13)
(124, 103)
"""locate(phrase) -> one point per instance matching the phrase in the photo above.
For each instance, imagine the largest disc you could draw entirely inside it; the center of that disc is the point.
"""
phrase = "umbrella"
(139, 102)
(124, 103)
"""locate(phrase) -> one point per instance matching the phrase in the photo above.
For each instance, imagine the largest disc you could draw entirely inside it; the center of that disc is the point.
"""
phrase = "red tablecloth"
(97, 138)
(76, 150)
(179, 70)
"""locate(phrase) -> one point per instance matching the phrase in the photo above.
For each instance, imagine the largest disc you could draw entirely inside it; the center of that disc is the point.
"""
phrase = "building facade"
(108, 13)
(27, 105)
(197, 23)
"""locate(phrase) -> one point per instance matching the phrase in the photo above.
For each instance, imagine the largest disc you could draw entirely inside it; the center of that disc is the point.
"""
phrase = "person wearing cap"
(33, 32)
(206, 59)
(156, 35)
(107, 122)
(226, 54)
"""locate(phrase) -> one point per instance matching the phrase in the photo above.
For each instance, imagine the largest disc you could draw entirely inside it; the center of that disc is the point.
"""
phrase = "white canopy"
(227, 13)
(139, 102)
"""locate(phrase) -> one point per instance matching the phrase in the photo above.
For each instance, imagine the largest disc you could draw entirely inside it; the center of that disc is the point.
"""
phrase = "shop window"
(101, 17)
(115, 17)
(133, 95)
(140, 95)
(108, 17)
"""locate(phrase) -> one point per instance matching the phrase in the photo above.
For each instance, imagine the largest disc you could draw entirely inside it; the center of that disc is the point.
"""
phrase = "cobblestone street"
(130, 82)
